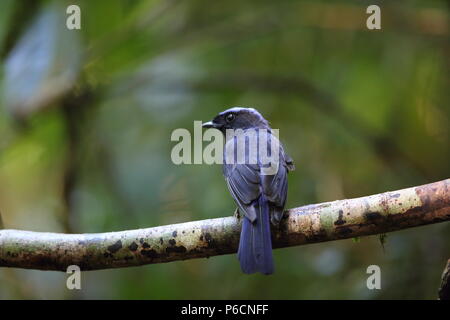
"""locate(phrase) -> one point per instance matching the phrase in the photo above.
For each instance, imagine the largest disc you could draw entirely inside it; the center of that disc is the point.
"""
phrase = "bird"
(260, 197)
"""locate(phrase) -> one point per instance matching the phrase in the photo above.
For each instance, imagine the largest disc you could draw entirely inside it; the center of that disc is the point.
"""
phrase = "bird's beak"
(208, 124)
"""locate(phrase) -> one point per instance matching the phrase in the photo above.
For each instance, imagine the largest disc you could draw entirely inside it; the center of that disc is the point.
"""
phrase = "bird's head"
(238, 118)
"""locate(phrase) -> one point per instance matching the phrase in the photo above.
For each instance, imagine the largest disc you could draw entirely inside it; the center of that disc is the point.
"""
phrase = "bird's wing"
(243, 182)
(288, 161)
(275, 186)
(246, 182)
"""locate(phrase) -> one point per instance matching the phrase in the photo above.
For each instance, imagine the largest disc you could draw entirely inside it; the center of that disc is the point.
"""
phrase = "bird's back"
(247, 181)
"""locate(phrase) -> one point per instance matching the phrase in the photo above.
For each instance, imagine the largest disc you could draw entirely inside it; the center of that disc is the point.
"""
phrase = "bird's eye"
(230, 117)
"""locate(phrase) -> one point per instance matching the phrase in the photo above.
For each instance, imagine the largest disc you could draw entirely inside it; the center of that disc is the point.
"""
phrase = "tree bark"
(342, 219)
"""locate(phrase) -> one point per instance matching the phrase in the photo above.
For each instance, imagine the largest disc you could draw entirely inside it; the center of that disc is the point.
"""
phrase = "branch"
(342, 219)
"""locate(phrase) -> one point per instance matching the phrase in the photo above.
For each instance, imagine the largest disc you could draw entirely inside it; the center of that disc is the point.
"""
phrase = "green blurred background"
(86, 118)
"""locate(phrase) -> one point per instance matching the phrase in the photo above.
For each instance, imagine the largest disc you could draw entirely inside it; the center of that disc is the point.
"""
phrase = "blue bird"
(260, 193)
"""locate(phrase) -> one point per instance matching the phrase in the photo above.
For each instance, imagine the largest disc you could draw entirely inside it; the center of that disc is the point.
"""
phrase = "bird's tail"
(255, 245)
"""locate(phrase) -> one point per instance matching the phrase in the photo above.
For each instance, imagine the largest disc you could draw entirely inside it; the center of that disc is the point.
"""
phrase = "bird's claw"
(237, 214)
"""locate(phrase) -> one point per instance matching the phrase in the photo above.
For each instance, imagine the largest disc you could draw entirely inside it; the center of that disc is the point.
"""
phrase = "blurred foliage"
(86, 118)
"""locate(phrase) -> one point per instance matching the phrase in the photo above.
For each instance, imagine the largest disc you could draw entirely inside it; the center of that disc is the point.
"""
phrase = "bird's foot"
(237, 214)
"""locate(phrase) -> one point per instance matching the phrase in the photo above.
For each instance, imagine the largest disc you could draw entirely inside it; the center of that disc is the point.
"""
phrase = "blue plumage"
(255, 244)
(260, 197)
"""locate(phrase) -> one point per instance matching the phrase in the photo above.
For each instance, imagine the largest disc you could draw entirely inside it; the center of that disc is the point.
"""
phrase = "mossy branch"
(342, 219)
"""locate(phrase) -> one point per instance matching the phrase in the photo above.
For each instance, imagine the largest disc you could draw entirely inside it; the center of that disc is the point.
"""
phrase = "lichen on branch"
(341, 219)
